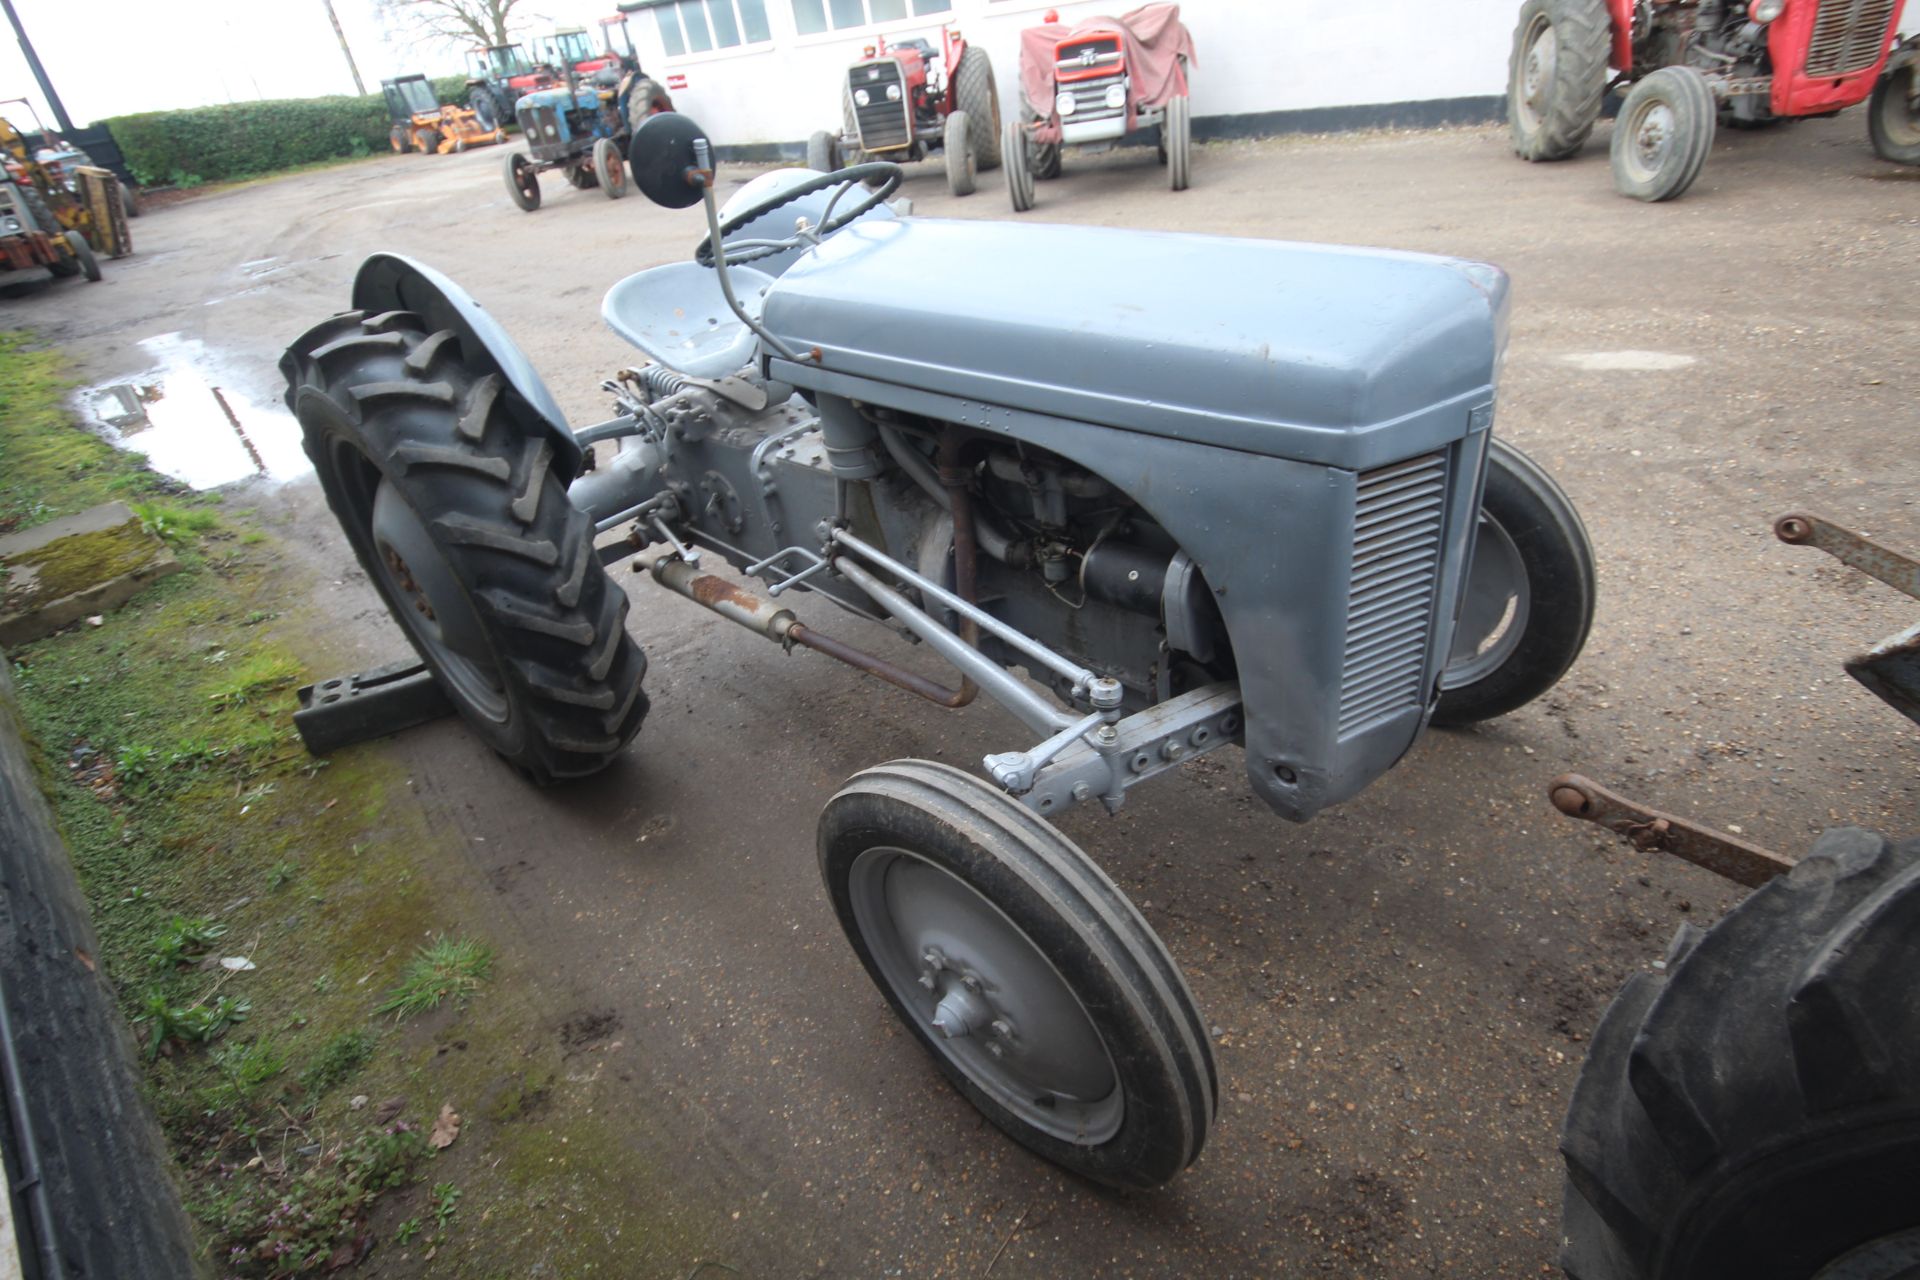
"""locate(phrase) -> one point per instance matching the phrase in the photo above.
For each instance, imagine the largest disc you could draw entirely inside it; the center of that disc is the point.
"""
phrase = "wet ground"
(1401, 990)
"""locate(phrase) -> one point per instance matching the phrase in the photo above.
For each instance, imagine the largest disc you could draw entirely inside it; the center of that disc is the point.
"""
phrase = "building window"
(811, 17)
(701, 26)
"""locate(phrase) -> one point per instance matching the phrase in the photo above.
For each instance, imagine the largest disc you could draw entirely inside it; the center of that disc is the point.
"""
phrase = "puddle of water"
(191, 425)
(1627, 361)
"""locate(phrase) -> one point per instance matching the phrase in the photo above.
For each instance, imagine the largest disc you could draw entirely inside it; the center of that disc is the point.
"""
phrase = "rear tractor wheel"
(1663, 135)
(975, 93)
(1041, 994)
(430, 142)
(580, 175)
(487, 108)
(608, 170)
(1893, 117)
(957, 144)
(1557, 76)
(446, 491)
(1753, 1111)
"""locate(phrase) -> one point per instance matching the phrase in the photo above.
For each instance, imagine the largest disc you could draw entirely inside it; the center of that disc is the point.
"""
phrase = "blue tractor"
(581, 127)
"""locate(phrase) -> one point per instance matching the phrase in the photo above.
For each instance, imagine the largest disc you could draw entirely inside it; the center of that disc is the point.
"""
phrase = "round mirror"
(660, 157)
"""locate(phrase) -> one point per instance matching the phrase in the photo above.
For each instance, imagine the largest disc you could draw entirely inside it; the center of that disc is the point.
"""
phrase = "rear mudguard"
(1905, 54)
(390, 282)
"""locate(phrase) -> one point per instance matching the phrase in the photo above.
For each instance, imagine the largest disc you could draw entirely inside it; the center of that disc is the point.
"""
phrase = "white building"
(761, 75)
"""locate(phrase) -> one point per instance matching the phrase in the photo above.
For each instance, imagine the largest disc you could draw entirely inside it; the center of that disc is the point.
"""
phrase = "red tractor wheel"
(1893, 118)
(1663, 135)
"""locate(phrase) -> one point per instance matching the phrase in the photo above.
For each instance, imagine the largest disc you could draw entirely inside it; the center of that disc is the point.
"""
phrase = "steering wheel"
(888, 175)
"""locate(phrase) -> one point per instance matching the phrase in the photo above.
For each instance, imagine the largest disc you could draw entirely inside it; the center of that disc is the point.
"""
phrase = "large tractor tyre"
(1530, 595)
(580, 175)
(975, 93)
(608, 169)
(823, 152)
(1557, 76)
(523, 182)
(1016, 158)
(1178, 131)
(488, 110)
(645, 99)
(1021, 968)
(1663, 135)
(1893, 116)
(83, 256)
(430, 140)
(1753, 1113)
(451, 503)
(957, 147)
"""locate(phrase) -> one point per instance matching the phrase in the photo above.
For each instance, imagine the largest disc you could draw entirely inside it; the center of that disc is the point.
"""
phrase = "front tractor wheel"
(1752, 1112)
(957, 147)
(1663, 135)
(823, 152)
(1041, 994)
(523, 182)
(1557, 76)
(1014, 156)
(1530, 595)
(447, 494)
(1178, 133)
(1893, 117)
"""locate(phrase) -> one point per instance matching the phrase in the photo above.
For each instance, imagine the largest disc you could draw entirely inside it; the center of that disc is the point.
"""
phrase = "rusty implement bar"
(1801, 529)
(1652, 831)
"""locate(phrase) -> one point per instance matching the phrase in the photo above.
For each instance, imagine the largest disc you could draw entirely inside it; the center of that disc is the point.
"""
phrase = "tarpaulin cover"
(1157, 47)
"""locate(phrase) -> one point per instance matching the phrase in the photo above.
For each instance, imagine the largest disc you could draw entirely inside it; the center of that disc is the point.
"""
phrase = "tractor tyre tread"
(429, 416)
(1584, 35)
(1754, 1111)
(975, 92)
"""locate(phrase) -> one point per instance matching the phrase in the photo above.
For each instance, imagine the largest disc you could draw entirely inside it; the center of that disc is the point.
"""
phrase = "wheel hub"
(1653, 136)
(1539, 69)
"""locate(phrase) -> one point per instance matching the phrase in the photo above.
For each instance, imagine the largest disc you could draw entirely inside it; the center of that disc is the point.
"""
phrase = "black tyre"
(1178, 132)
(580, 175)
(957, 149)
(1754, 1112)
(645, 99)
(608, 169)
(823, 152)
(1663, 134)
(1893, 116)
(975, 93)
(489, 109)
(83, 256)
(523, 182)
(400, 138)
(1014, 155)
(129, 200)
(1530, 595)
(1042, 995)
(445, 488)
(430, 140)
(1557, 76)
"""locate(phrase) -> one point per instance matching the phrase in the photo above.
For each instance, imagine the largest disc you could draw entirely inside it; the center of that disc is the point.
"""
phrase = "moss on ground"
(191, 809)
(76, 563)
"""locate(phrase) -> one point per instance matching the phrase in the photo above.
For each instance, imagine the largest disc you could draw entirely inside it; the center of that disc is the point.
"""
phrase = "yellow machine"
(420, 123)
(81, 198)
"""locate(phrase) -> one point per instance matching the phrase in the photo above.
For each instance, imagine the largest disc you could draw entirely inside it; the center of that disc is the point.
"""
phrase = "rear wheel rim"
(1493, 616)
(991, 1002)
(421, 586)
(1536, 72)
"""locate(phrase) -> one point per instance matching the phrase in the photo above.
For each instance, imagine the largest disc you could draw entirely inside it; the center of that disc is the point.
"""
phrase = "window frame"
(690, 54)
(871, 23)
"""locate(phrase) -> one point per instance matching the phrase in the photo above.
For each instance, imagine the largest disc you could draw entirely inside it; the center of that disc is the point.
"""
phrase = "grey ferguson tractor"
(1288, 529)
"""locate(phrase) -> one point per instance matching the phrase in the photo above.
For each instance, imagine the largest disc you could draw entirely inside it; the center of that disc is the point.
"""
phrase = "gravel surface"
(1402, 988)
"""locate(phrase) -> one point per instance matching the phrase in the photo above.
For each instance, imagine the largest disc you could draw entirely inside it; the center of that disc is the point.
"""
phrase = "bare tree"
(462, 22)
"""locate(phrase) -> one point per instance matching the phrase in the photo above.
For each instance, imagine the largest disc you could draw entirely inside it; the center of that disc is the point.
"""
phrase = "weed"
(136, 765)
(198, 1023)
(406, 1231)
(263, 673)
(444, 967)
(180, 526)
(338, 1059)
(446, 1202)
(282, 875)
(244, 1069)
(183, 941)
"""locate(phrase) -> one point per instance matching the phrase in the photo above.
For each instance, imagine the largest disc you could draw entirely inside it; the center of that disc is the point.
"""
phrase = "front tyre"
(1042, 995)
(956, 146)
(1893, 117)
(450, 501)
(1663, 135)
(823, 152)
(1529, 599)
(1016, 161)
(523, 182)
(1753, 1112)
(1557, 76)
(83, 254)
(1178, 133)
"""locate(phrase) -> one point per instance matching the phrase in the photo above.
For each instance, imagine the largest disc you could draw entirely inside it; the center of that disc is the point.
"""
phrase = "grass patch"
(337, 1060)
(51, 466)
(443, 968)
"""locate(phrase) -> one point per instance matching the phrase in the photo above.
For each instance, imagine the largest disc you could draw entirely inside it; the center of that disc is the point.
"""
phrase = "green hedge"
(245, 139)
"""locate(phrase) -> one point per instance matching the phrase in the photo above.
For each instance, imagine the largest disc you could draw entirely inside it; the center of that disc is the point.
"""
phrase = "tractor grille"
(545, 131)
(1090, 99)
(1849, 36)
(883, 125)
(1397, 528)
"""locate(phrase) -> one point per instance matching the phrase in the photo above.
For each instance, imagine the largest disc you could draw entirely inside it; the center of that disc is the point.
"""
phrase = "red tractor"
(499, 76)
(1689, 62)
(905, 102)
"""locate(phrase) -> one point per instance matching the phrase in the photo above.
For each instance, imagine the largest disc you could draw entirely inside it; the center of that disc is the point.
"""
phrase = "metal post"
(58, 107)
(341, 36)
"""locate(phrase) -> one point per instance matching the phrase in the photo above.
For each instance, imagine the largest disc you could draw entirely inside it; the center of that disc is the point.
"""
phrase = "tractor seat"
(677, 315)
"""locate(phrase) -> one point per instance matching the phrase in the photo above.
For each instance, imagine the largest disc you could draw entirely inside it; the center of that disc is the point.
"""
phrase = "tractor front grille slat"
(1848, 37)
(1090, 99)
(883, 125)
(1397, 529)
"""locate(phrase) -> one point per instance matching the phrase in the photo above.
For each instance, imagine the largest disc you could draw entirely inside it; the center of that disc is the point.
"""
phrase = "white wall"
(1253, 57)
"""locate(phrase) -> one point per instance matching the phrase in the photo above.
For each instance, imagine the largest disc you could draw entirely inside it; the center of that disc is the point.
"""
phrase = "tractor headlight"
(861, 98)
(1116, 96)
(893, 93)
(10, 225)
(1768, 10)
(1065, 104)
